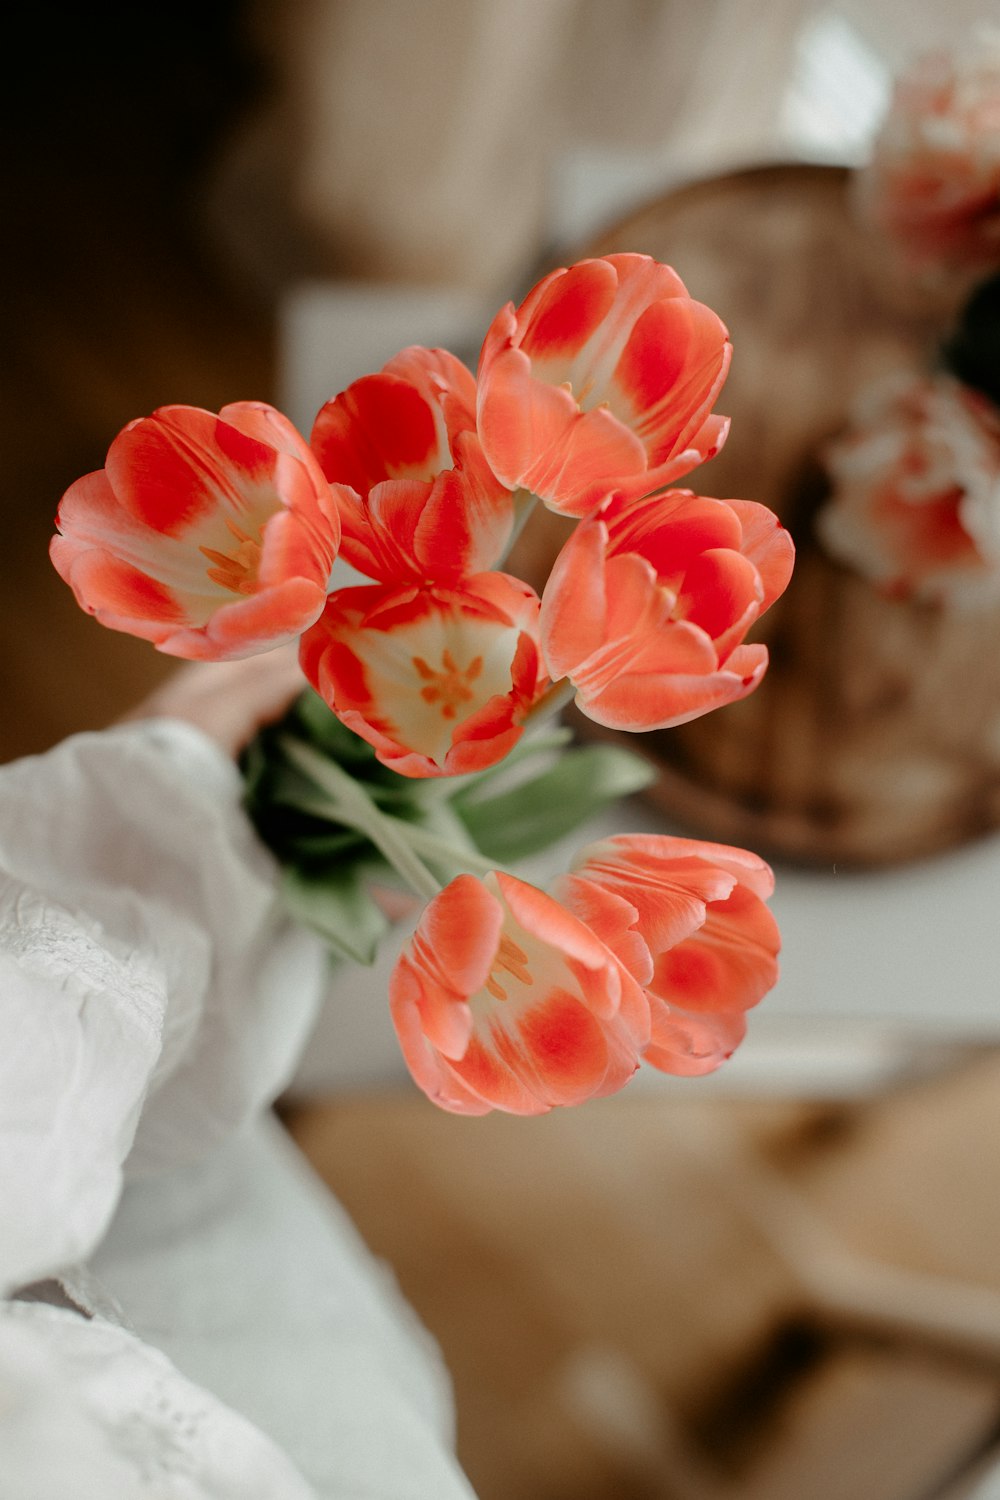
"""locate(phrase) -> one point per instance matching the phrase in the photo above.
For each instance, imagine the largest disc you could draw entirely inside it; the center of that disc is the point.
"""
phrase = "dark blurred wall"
(113, 304)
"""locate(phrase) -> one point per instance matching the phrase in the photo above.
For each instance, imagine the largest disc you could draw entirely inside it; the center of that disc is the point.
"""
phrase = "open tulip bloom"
(423, 753)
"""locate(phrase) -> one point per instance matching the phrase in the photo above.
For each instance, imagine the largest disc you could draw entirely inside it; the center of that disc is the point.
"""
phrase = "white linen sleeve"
(88, 1410)
(153, 996)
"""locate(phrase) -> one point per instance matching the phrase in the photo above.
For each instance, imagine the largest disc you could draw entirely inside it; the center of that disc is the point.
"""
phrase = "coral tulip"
(211, 536)
(649, 601)
(438, 680)
(915, 503)
(504, 1000)
(934, 181)
(416, 496)
(688, 920)
(602, 380)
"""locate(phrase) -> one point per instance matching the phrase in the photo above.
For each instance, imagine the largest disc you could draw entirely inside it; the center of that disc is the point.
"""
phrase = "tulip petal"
(602, 380)
(650, 852)
(535, 435)
(91, 517)
(459, 933)
(767, 545)
(174, 468)
(250, 626)
(721, 594)
(707, 944)
(575, 601)
(671, 370)
(612, 918)
(436, 372)
(558, 1050)
(705, 444)
(728, 964)
(268, 426)
(430, 1071)
(670, 896)
(691, 1046)
(115, 592)
(656, 693)
(569, 308)
(639, 704)
(380, 428)
(490, 1077)
(671, 530)
(418, 499)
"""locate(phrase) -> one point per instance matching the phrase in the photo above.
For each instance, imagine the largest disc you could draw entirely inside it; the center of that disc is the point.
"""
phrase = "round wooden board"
(875, 735)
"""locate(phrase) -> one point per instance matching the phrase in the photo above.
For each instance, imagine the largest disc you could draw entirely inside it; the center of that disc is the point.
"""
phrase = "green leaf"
(312, 720)
(536, 813)
(350, 802)
(338, 907)
(311, 850)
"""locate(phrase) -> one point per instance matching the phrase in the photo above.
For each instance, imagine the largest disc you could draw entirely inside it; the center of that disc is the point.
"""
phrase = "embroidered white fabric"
(65, 1428)
(153, 1001)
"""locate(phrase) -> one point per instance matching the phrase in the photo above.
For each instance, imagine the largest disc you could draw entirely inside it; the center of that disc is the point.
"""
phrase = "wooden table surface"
(674, 1298)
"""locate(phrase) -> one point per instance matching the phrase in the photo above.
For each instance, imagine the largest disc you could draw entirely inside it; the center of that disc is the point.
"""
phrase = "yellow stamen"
(237, 570)
(514, 961)
(450, 686)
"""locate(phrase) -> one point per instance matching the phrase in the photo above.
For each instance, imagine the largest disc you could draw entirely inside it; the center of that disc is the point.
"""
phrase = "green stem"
(432, 847)
(445, 788)
(552, 702)
(350, 804)
(465, 859)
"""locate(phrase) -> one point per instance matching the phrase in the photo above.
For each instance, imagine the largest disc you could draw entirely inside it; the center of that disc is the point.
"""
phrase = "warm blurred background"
(783, 1286)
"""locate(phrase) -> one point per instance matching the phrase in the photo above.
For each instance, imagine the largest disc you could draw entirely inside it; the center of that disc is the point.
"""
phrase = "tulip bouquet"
(422, 748)
(916, 475)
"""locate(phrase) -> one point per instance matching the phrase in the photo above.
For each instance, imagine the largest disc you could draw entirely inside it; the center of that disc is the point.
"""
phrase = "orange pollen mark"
(450, 686)
(237, 570)
(511, 959)
(514, 961)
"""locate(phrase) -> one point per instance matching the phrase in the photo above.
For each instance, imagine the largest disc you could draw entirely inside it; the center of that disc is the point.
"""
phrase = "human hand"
(229, 701)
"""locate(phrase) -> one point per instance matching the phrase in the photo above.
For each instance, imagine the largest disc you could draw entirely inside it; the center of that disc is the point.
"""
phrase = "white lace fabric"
(153, 1000)
(65, 1429)
(145, 970)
